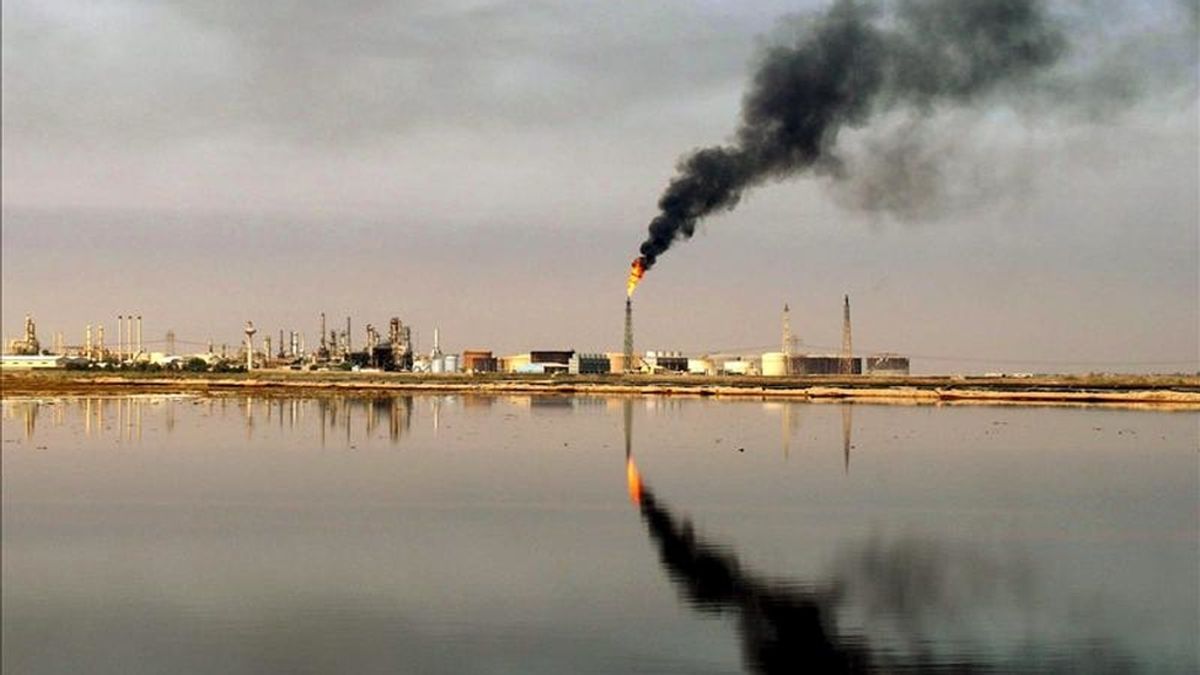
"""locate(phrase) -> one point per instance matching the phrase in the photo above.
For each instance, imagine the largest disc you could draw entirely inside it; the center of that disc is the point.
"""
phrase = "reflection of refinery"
(123, 418)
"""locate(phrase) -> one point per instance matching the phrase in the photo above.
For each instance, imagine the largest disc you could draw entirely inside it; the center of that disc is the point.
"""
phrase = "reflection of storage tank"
(774, 364)
(451, 363)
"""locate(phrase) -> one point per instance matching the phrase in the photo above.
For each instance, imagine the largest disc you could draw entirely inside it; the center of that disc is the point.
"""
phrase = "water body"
(470, 534)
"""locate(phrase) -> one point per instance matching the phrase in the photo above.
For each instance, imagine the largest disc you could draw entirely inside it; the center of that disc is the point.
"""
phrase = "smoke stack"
(139, 334)
(847, 346)
(120, 340)
(250, 331)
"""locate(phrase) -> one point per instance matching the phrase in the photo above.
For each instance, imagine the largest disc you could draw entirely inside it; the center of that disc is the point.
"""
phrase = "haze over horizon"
(489, 169)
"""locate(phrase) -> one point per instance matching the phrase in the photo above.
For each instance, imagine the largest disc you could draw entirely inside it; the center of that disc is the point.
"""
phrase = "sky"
(489, 168)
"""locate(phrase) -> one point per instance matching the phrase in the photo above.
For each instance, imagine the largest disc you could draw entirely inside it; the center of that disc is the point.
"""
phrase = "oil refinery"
(335, 348)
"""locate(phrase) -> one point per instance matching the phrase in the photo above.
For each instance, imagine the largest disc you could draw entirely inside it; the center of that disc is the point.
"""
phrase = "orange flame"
(634, 479)
(636, 271)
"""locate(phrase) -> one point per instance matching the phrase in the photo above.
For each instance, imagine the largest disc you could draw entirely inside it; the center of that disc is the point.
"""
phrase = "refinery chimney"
(120, 341)
(250, 331)
(322, 346)
(847, 346)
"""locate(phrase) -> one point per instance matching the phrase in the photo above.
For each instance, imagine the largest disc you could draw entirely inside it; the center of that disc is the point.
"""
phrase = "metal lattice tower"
(170, 343)
(629, 335)
(787, 331)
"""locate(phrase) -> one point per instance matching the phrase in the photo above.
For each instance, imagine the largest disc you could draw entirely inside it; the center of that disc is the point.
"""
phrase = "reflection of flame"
(635, 481)
(636, 271)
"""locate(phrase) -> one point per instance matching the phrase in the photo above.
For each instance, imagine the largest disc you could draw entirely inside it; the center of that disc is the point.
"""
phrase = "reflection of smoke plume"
(781, 630)
(846, 66)
(913, 584)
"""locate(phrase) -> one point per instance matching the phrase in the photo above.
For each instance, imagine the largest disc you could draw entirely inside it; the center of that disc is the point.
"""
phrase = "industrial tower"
(790, 341)
(629, 335)
(250, 331)
(847, 347)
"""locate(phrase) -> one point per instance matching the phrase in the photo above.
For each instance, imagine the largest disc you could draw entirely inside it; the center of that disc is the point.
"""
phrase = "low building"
(825, 364)
(513, 363)
(887, 364)
(541, 368)
(701, 367)
(616, 361)
(738, 367)
(666, 362)
(478, 361)
(34, 361)
(559, 356)
(164, 360)
(588, 364)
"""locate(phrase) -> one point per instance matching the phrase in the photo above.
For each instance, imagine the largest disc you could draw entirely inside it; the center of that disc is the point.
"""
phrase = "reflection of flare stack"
(632, 478)
(627, 409)
(634, 481)
(847, 420)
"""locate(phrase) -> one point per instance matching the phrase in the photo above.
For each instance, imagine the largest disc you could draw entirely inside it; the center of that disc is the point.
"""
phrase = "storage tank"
(451, 363)
(774, 364)
(436, 365)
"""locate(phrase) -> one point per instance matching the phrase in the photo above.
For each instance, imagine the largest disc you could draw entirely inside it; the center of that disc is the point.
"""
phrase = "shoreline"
(1150, 392)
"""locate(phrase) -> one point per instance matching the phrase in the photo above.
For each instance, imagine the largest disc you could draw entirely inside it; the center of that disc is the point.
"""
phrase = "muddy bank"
(1142, 391)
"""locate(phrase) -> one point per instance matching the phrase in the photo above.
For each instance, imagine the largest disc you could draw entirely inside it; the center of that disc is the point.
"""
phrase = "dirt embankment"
(1138, 391)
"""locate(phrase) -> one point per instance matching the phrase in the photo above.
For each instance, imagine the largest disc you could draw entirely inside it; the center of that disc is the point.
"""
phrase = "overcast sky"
(489, 168)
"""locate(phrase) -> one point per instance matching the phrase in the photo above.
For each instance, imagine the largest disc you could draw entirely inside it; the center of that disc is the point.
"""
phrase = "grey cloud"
(315, 73)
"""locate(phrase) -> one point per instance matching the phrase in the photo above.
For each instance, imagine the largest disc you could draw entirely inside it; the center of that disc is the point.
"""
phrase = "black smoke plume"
(847, 66)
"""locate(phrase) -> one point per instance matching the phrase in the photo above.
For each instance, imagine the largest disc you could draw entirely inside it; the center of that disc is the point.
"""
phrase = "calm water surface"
(465, 534)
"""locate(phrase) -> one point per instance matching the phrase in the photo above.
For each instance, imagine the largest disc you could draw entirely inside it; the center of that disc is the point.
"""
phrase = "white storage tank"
(774, 364)
(451, 363)
(436, 365)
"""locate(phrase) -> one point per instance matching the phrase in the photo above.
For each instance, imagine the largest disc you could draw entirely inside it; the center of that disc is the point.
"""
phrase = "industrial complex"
(334, 349)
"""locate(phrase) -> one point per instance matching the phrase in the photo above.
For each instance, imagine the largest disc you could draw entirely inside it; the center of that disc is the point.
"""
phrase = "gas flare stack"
(628, 334)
